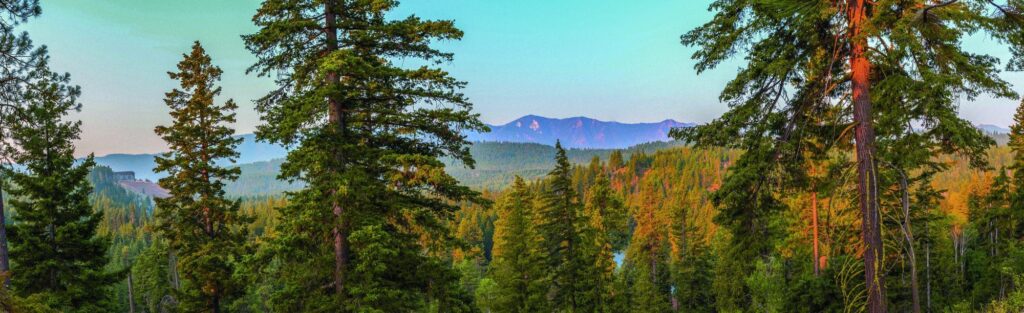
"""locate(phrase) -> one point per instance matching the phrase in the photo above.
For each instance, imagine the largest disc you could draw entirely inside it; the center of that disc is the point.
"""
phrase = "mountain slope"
(578, 132)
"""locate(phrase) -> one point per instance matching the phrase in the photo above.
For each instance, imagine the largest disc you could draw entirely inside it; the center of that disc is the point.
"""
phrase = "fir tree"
(203, 227)
(56, 251)
(1016, 144)
(367, 135)
(517, 266)
(648, 252)
(567, 235)
(991, 219)
(608, 213)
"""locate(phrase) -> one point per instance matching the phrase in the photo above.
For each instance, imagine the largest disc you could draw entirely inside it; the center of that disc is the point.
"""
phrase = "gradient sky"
(610, 60)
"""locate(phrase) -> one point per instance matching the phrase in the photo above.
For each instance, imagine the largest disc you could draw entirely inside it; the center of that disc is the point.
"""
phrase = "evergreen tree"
(367, 135)
(809, 58)
(517, 267)
(203, 228)
(1016, 144)
(615, 160)
(608, 213)
(20, 64)
(56, 251)
(990, 220)
(567, 235)
(648, 251)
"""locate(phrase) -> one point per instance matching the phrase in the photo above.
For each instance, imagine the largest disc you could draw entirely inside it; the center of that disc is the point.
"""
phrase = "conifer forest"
(347, 164)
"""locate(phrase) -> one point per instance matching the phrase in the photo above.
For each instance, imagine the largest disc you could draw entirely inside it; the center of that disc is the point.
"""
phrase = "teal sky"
(610, 60)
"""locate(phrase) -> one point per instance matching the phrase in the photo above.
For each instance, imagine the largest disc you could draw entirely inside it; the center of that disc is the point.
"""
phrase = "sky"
(605, 59)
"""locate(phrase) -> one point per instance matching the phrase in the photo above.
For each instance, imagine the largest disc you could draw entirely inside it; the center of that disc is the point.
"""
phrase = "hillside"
(578, 132)
(497, 164)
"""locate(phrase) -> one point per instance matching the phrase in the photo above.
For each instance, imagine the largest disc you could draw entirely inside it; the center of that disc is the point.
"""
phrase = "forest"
(841, 178)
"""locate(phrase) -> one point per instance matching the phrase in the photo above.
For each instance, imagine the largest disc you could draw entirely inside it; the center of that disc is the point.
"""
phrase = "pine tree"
(56, 251)
(20, 64)
(608, 213)
(567, 241)
(367, 134)
(517, 258)
(1016, 145)
(648, 252)
(202, 226)
(808, 58)
(615, 160)
(608, 221)
(991, 218)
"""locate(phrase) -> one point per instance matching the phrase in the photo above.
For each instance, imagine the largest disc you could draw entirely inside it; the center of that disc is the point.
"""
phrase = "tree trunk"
(814, 226)
(5, 263)
(927, 274)
(860, 68)
(336, 117)
(131, 294)
(172, 264)
(908, 232)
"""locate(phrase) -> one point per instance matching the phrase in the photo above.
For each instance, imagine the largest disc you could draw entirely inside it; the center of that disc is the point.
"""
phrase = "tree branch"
(1005, 12)
(924, 12)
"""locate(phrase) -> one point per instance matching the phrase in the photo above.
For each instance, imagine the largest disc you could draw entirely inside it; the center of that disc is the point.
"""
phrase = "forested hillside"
(673, 228)
(497, 163)
(660, 190)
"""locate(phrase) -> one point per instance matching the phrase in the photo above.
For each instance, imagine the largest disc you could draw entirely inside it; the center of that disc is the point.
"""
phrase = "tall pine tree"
(20, 64)
(203, 227)
(56, 251)
(367, 135)
(567, 241)
(1016, 144)
(518, 259)
(608, 221)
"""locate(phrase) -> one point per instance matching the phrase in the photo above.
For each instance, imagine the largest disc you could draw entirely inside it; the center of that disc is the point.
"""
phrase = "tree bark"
(5, 263)
(336, 117)
(860, 68)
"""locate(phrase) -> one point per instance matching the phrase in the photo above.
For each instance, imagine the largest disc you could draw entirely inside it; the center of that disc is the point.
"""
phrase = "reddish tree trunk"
(860, 68)
(814, 226)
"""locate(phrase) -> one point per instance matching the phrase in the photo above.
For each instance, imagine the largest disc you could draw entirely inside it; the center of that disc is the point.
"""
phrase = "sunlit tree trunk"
(860, 75)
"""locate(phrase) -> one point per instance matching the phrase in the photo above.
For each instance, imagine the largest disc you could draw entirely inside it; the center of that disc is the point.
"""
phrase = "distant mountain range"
(260, 161)
(574, 132)
(993, 129)
(578, 132)
(250, 151)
